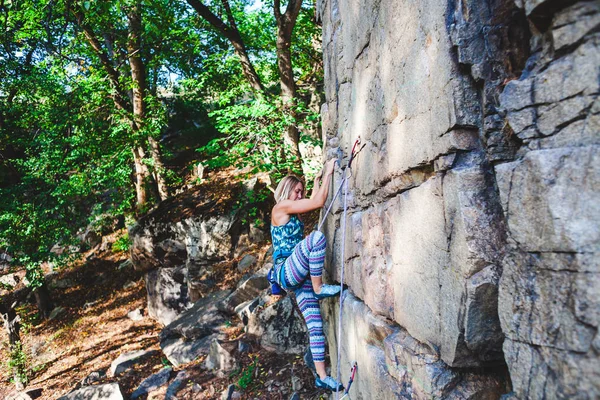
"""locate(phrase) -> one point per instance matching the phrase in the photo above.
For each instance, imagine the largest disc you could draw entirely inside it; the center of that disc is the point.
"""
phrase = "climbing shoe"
(330, 384)
(328, 291)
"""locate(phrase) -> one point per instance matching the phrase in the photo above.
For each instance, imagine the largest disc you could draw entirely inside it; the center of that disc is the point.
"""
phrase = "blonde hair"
(286, 185)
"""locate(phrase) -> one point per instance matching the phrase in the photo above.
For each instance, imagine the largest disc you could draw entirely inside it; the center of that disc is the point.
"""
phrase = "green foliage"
(247, 374)
(122, 243)
(251, 201)
(29, 317)
(252, 136)
(66, 147)
(18, 363)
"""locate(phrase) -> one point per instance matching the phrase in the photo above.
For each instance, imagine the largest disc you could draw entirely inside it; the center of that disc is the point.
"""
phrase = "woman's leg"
(307, 259)
(309, 306)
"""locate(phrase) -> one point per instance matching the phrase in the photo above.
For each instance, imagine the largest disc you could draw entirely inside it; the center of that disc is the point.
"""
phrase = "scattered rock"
(135, 315)
(246, 262)
(211, 390)
(196, 388)
(126, 360)
(181, 351)
(129, 285)
(91, 304)
(296, 383)
(152, 383)
(18, 396)
(63, 283)
(180, 378)
(9, 280)
(220, 357)
(245, 309)
(37, 348)
(126, 264)
(236, 395)
(243, 347)
(93, 377)
(109, 391)
(34, 393)
(5, 258)
(228, 394)
(56, 312)
(256, 234)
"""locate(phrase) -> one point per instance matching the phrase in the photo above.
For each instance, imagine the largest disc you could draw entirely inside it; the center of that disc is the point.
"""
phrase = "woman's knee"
(317, 239)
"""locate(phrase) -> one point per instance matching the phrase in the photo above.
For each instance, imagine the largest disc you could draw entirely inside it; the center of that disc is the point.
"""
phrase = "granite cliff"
(473, 232)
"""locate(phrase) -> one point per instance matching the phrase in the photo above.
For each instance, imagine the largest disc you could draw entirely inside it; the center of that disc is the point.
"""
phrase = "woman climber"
(296, 258)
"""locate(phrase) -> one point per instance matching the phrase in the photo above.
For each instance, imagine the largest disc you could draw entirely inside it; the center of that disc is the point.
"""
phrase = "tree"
(285, 23)
(134, 107)
(232, 34)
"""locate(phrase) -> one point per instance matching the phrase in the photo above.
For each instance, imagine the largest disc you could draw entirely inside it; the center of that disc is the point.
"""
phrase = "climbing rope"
(347, 173)
(339, 336)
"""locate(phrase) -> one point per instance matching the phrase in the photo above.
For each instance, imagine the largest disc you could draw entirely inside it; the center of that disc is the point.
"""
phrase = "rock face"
(179, 241)
(472, 233)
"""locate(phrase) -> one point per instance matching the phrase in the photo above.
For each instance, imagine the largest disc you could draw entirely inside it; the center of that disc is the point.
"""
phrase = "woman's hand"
(329, 167)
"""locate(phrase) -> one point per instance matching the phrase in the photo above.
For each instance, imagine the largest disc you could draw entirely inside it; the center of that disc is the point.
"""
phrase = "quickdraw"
(352, 372)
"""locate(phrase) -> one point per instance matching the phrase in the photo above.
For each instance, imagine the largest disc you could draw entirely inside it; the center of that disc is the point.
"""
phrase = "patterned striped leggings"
(308, 258)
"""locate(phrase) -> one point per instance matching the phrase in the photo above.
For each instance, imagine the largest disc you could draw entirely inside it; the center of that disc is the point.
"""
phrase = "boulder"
(135, 315)
(127, 360)
(246, 262)
(94, 376)
(248, 289)
(222, 356)
(181, 378)
(190, 335)
(108, 391)
(279, 326)
(152, 383)
(167, 294)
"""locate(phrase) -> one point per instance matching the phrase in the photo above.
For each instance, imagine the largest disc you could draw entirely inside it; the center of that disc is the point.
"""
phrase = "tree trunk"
(138, 75)
(159, 168)
(285, 26)
(43, 301)
(11, 325)
(140, 175)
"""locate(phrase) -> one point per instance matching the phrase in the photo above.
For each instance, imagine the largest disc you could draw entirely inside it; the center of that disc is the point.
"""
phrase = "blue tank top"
(286, 237)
